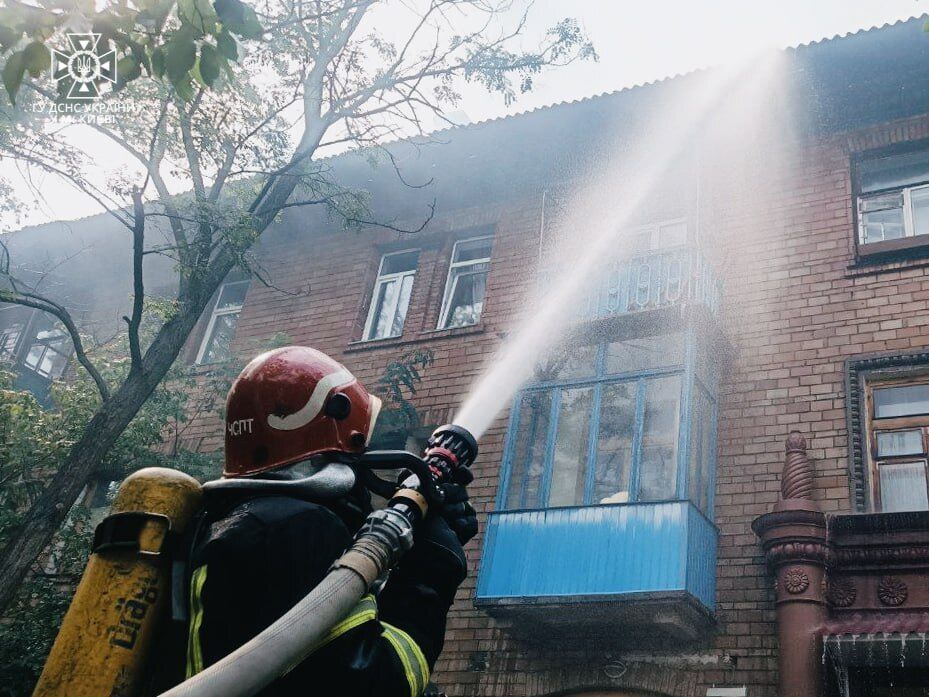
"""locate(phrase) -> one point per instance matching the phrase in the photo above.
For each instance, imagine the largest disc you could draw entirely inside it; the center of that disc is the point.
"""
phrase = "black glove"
(456, 509)
(458, 512)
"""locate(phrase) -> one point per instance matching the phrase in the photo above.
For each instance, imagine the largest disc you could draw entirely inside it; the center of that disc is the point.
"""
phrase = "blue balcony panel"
(648, 565)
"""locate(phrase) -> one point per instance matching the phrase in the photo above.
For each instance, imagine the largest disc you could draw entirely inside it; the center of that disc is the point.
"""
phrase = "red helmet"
(290, 404)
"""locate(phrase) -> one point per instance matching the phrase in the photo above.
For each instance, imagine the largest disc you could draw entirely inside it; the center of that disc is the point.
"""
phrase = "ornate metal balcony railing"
(652, 280)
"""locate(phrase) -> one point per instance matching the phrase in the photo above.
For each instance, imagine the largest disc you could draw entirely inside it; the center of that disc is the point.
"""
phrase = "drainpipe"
(793, 537)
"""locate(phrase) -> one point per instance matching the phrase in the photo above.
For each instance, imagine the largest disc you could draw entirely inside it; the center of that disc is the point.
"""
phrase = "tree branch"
(138, 287)
(38, 302)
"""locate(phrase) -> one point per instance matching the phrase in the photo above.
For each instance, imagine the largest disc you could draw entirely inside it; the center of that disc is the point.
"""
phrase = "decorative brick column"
(793, 537)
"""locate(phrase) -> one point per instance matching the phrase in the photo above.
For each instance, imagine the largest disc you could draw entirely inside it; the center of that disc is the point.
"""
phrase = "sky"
(637, 42)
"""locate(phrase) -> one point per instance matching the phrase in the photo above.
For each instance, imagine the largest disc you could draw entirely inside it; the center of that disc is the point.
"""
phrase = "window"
(467, 283)
(50, 349)
(666, 234)
(9, 340)
(898, 436)
(221, 329)
(893, 201)
(14, 325)
(391, 297)
(602, 424)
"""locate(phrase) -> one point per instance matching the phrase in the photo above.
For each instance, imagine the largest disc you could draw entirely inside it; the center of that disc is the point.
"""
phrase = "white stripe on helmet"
(311, 409)
(372, 419)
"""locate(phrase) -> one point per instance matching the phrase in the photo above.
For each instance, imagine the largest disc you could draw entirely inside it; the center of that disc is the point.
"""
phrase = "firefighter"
(286, 508)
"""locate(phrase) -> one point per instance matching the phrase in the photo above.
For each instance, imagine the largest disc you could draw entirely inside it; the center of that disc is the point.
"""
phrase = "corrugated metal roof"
(670, 78)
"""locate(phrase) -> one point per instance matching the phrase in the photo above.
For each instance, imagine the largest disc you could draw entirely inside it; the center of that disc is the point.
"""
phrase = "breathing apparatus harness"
(383, 538)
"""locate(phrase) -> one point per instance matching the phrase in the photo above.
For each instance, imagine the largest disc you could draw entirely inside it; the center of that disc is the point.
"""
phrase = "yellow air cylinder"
(111, 625)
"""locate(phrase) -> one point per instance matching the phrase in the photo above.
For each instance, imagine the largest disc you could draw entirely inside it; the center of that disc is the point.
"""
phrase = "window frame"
(452, 265)
(653, 232)
(217, 312)
(893, 424)
(907, 246)
(690, 383)
(48, 346)
(23, 319)
(37, 323)
(382, 279)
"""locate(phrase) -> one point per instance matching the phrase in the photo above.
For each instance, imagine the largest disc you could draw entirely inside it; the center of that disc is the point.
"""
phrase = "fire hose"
(382, 540)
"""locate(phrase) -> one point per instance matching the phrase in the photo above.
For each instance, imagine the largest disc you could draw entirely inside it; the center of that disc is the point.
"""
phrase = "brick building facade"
(802, 309)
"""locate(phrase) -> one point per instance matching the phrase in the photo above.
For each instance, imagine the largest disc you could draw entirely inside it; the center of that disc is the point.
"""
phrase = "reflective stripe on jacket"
(257, 561)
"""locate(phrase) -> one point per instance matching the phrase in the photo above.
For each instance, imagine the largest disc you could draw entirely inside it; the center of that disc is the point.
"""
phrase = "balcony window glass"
(221, 328)
(664, 234)
(567, 363)
(615, 442)
(893, 201)
(569, 460)
(658, 470)
(644, 353)
(390, 299)
(898, 433)
(529, 449)
(466, 286)
(610, 434)
(702, 449)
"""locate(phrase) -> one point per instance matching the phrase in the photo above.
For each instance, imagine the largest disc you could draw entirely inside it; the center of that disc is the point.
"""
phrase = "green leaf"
(238, 18)
(128, 69)
(13, 73)
(199, 14)
(227, 46)
(158, 62)
(251, 28)
(185, 89)
(8, 37)
(37, 58)
(210, 62)
(180, 55)
(195, 74)
(230, 12)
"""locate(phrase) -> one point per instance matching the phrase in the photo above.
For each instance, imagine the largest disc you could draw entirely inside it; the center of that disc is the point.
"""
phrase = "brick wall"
(794, 309)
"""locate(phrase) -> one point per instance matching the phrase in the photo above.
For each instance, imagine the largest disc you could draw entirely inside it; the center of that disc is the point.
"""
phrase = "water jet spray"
(603, 208)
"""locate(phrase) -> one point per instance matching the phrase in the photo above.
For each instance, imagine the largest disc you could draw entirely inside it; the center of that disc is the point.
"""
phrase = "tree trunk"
(48, 512)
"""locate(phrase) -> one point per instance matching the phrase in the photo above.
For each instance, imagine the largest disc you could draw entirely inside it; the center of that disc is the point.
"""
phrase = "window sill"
(419, 337)
(881, 257)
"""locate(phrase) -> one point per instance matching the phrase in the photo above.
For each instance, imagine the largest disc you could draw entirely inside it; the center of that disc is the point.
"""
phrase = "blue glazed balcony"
(638, 571)
(652, 281)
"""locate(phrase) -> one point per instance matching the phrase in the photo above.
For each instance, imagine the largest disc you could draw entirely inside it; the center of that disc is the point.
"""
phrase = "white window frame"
(383, 279)
(908, 226)
(653, 231)
(449, 290)
(231, 310)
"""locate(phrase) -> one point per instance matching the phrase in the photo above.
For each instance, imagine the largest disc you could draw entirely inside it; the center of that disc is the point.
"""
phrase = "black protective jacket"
(255, 559)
